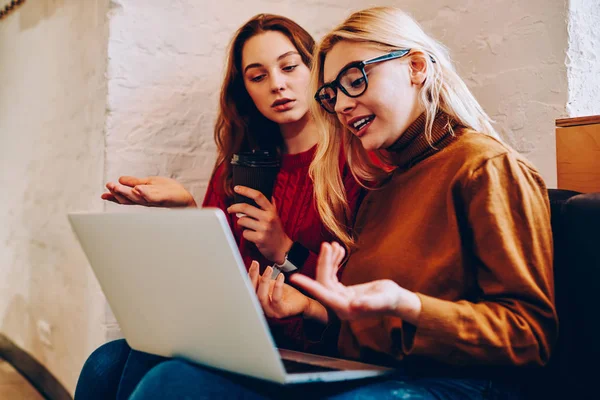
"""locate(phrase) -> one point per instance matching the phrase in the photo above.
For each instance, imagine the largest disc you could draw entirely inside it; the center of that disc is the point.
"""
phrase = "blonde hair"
(443, 90)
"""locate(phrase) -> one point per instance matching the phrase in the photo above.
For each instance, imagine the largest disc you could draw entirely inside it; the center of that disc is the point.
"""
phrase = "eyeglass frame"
(335, 84)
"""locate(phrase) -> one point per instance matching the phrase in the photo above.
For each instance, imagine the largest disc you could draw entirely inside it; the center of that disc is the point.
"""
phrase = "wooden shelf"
(566, 122)
(578, 153)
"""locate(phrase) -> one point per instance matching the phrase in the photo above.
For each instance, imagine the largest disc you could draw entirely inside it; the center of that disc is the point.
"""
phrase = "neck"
(299, 136)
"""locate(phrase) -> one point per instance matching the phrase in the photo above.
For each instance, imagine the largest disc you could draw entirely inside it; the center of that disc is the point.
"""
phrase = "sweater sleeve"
(513, 320)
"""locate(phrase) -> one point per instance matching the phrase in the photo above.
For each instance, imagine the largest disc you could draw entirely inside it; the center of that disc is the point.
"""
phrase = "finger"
(277, 294)
(253, 274)
(113, 200)
(321, 293)
(252, 236)
(127, 192)
(148, 194)
(120, 199)
(330, 270)
(255, 195)
(248, 210)
(339, 253)
(325, 265)
(264, 286)
(132, 181)
(109, 197)
(250, 223)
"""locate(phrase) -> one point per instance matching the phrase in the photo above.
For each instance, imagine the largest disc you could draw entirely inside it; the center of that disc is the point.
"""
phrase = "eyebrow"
(341, 69)
(281, 57)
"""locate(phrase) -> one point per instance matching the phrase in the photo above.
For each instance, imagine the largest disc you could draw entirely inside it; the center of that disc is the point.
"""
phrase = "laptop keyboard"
(295, 367)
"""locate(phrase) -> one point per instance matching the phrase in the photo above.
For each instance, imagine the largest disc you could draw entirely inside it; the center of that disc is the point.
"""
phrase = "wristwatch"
(294, 260)
(287, 265)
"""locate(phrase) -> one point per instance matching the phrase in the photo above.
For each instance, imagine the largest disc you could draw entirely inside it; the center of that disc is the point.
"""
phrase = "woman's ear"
(418, 69)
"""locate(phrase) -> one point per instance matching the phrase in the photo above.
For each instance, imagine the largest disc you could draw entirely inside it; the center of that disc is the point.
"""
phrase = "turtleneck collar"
(413, 146)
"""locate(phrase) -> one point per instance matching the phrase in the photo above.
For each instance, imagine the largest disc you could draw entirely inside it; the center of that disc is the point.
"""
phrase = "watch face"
(275, 273)
(287, 266)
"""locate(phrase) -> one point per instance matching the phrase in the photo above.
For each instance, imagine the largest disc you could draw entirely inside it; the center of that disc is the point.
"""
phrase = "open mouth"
(281, 102)
(361, 123)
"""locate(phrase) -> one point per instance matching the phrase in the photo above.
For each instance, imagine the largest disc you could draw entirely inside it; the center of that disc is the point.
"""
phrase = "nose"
(343, 103)
(277, 82)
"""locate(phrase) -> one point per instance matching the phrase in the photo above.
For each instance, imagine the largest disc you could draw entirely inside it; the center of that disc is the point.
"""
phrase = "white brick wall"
(65, 129)
(511, 55)
(53, 57)
(166, 61)
(165, 70)
(583, 61)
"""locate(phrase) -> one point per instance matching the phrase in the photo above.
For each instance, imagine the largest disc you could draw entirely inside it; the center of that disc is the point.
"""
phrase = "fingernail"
(236, 188)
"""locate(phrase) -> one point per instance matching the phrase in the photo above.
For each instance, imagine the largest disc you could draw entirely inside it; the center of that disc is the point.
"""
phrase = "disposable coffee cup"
(257, 170)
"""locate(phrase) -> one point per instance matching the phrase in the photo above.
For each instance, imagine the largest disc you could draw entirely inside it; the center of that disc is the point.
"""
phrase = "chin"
(370, 144)
(287, 117)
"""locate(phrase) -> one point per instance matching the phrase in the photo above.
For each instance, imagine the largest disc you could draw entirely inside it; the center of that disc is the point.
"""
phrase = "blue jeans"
(113, 371)
(176, 379)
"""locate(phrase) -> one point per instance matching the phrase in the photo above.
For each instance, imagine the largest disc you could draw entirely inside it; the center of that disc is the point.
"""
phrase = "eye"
(353, 79)
(358, 82)
(289, 68)
(327, 98)
(257, 78)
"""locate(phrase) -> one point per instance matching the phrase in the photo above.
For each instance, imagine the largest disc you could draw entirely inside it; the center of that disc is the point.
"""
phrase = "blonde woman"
(450, 274)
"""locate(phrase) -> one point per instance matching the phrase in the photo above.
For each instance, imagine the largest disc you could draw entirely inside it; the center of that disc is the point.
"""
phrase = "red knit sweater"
(293, 193)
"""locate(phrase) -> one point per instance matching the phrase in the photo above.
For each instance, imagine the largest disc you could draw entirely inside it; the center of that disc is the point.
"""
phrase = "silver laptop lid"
(163, 275)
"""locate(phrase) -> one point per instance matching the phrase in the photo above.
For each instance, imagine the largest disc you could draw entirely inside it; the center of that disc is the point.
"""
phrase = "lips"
(280, 102)
(358, 124)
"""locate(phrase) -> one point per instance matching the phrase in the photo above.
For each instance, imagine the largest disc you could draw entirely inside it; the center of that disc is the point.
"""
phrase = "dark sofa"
(574, 368)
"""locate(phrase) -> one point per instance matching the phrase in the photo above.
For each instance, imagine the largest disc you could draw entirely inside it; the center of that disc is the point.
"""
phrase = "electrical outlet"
(44, 330)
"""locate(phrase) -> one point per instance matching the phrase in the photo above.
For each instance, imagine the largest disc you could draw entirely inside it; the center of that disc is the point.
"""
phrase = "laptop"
(178, 287)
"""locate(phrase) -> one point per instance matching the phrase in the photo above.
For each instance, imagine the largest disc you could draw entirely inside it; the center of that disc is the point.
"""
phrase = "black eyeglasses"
(352, 80)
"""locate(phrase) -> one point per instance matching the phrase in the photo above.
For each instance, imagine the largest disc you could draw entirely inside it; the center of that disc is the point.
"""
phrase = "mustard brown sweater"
(465, 225)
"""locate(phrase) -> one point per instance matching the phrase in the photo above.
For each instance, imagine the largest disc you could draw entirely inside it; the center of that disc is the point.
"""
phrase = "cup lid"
(256, 158)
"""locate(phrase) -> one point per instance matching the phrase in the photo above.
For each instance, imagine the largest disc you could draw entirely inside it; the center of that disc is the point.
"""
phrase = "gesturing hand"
(280, 300)
(155, 191)
(262, 225)
(371, 299)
